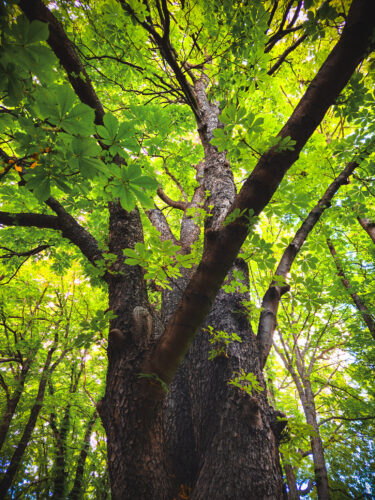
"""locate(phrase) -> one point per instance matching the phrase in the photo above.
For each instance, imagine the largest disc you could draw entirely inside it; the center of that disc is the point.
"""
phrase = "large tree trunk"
(221, 438)
(131, 410)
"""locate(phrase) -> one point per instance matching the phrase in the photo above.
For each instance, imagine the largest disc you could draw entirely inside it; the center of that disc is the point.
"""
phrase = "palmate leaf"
(127, 200)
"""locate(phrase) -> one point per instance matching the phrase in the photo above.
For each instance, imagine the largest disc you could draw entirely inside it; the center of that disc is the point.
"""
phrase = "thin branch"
(180, 205)
(272, 297)
(360, 305)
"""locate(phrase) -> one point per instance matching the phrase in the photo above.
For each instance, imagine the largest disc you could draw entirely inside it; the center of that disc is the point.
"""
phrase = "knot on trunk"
(278, 423)
(142, 326)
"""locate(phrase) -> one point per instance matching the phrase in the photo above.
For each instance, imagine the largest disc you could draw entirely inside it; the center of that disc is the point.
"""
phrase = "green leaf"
(111, 124)
(145, 181)
(37, 32)
(127, 200)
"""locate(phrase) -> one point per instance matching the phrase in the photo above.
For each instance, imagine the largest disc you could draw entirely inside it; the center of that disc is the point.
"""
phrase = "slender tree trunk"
(12, 403)
(77, 491)
(360, 305)
(59, 466)
(320, 468)
(17, 457)
(291, 481)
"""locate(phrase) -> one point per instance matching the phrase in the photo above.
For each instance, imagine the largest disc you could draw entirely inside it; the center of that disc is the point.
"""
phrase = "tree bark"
(76, 493)
(368, 226)
(320, 468)
(229, 436)
(307, 398)
(291, 481)
(230, 451)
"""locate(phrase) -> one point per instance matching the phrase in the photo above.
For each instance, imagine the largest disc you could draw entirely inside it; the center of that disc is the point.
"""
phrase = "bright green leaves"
(85, 150)
(60, 106)
(236, 283)
(246, 382)
(40, 184)
(242, 129)
(220, 341)
(160, 259)
(139, 9)
(131, 186)
(27, 33)
(120, 138)
(23, 52)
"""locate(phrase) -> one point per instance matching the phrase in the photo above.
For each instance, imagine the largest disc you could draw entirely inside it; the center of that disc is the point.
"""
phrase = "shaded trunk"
(223, 442)
(59, 467)
(130, 411)
(291, 481)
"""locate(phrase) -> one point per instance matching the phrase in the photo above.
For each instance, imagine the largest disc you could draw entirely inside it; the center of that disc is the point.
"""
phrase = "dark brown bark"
(63, 222)
(272, 297)
(232, 451)
(234, 454)
(65, 51)
(360, 305)
(130, 414)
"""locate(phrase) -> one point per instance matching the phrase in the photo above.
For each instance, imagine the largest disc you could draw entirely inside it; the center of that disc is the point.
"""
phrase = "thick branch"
(158, 220)
(30, 220)
(222, 245)
(65, 52)
(63, 222)
(365, 313)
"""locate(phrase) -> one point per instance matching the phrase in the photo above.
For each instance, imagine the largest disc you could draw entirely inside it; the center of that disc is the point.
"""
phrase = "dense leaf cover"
(61, 155)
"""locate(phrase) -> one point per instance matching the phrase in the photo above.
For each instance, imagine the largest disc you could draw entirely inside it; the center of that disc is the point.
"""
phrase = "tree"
(43, 338)
(185, 408)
